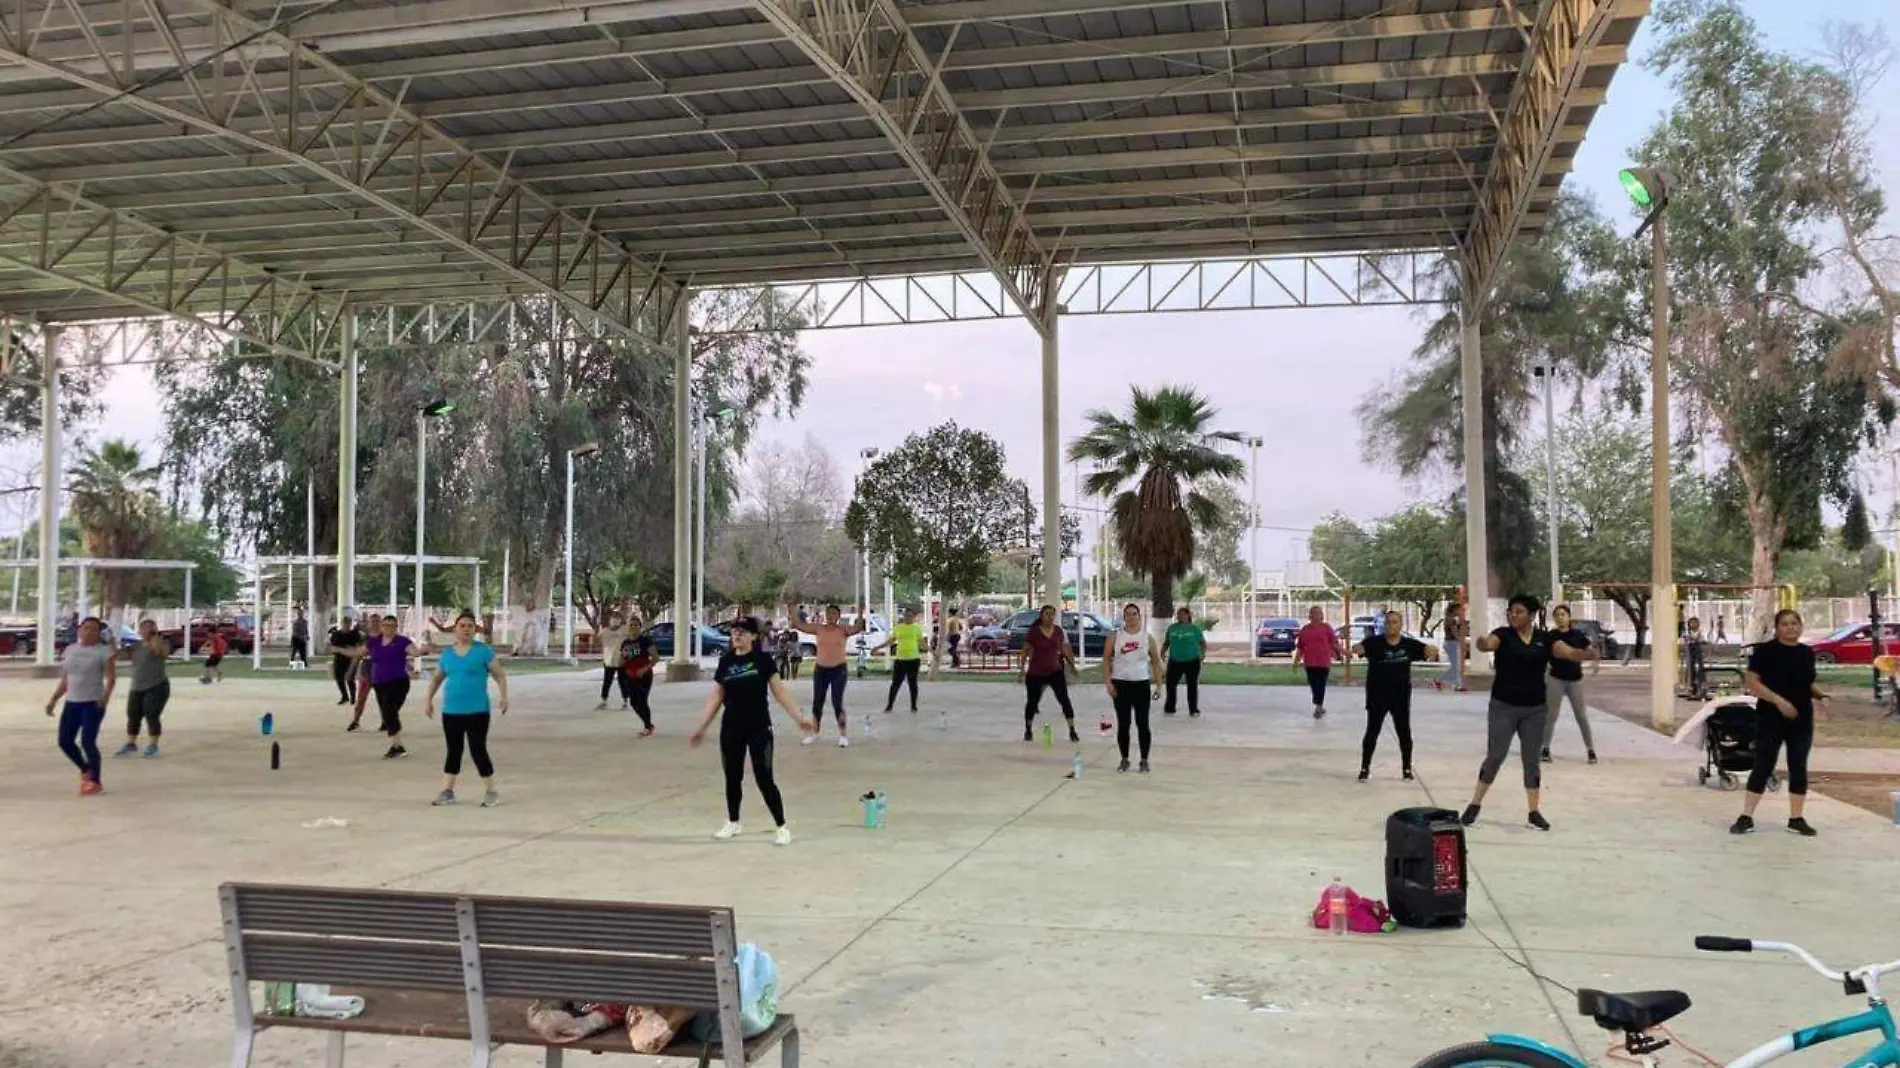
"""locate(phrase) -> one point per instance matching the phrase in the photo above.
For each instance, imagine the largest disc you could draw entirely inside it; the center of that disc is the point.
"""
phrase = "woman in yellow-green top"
(908, 639)
(1186, 648)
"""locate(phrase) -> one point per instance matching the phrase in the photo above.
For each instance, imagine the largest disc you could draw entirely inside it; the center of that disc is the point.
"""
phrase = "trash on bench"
(312, 1000)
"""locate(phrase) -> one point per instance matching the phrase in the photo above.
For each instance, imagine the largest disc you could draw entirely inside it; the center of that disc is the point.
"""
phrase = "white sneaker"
(601, 707)
(730, 830)
(844, 742)
(809, 739)
(783, 837)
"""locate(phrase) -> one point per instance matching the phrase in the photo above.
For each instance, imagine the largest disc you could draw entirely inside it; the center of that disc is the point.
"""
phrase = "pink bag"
(1363, 914)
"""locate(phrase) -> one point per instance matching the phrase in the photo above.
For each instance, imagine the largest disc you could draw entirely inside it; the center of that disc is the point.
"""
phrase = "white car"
(875, 631)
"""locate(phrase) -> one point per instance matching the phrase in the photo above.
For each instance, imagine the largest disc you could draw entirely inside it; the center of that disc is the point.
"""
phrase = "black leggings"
(146, 706)
(1190, 670)
(732, 753)
(389, 698)
(1316, 681)
(634, 691)
(903, 671)
(1775, 729)
(470, 727)
(1400, 709)
(1131, 699)
(300, 651)
(1056, 683)
(829, 679)
(343, 670)
(607, 676)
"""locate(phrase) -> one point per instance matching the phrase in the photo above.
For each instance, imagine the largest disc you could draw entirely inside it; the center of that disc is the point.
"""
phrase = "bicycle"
(1638, 1015)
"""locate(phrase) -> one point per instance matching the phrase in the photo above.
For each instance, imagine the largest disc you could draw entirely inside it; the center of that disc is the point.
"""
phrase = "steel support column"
(682, 666)
(1051, 463)
(1662, 592)
(346, 467)
(52, 475)
(1477, 543)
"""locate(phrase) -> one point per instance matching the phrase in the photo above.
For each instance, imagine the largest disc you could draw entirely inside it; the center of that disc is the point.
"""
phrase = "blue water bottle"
(264, 723)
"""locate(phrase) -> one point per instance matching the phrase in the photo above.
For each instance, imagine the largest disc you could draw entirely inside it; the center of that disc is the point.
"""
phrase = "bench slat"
(685, 932)
(366, 914)
(345, 962)
(508, 972)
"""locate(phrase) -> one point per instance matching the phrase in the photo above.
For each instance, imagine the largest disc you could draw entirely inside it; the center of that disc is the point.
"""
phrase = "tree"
(1149, 462)
(1413, 556)
(20, 373)
(1746, 230)
(115, 503)
(1217, 550)
(937, 507)
(788, 523)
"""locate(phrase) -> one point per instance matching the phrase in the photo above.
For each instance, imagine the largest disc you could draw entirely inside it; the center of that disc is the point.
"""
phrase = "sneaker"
(342, 700)
(396, 752)
(89, 787)
(1592, 755)
(601, 707)
(1167, 711)
(1800, 826)
(1319, 711)
(491, 797)
(128, 749)
(783, 837)
(1073, 737)
(1144, 768)
(1537, 820)
(1196, 714)
(809, 739)
(645, 732)
(1123, 766)
(729, 831)
(354, 726)
(1028, 735)
(1470, 815)
(446, 797)
(1545, 757)
(151, 750)
(844, 742)
(1407, 774)
(1742, 825)
(1365, 774)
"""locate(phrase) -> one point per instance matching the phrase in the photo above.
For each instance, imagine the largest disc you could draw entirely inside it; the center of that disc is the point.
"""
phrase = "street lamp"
(721, 414)
(1253, 548)
(1650, 188)
(865, 456)
(1547, 371)
(567, 629)
(435, 409)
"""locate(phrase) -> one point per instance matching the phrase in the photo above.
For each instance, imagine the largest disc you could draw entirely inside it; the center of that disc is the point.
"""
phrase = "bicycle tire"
(1489, 1055)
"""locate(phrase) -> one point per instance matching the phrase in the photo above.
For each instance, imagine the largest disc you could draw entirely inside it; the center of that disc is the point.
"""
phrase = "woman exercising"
(1566, 680)
(743, 681)
(1389, 660)
(1316, 649)
(1781, 674)
(462, 672)
(1042, 665)
(1133, 669)
(1517, 708)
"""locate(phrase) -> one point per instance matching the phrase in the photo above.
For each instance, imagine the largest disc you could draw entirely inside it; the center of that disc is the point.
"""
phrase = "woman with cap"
(744, 684)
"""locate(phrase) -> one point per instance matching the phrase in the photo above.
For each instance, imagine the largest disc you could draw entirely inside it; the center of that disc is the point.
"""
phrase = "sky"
(1293, 377)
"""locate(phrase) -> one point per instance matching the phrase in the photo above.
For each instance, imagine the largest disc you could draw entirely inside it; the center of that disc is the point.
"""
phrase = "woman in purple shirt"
(389, 655)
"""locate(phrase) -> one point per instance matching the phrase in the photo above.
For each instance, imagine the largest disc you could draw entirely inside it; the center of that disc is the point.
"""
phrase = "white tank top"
(1131, 656)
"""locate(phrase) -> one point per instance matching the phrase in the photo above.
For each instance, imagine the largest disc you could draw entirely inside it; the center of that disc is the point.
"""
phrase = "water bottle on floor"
(265, 722)
(1336, 906)
(1048, 736)
(1075, 765)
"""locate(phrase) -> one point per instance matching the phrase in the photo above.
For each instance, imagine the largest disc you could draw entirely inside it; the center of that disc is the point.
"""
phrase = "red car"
(1854, 644)
(236, 631)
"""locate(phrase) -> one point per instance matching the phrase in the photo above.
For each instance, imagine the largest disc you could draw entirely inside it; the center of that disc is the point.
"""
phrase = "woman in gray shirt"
(86, 677)
(151, 689)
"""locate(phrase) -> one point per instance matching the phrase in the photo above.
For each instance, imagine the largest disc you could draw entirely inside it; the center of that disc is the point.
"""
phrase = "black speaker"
(1425, 875)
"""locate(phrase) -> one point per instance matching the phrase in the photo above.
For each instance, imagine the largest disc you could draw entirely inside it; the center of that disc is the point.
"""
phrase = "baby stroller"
(1729, 745)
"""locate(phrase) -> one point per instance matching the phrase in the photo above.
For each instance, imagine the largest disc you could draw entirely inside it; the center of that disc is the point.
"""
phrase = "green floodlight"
(438, 407)
(1647, 186)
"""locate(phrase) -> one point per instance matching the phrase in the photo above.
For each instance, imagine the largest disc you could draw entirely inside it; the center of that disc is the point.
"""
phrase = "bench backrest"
(520, 947)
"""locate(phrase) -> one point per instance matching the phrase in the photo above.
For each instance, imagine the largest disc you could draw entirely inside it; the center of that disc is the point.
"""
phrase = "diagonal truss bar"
(57, 234)
(868, 50)
(1556, 57)
(321, 117)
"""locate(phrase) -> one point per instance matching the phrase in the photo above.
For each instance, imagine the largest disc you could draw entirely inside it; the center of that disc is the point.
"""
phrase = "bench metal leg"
(788, 1049)
(333, 1055)
(241, 1049)
(554, 1057)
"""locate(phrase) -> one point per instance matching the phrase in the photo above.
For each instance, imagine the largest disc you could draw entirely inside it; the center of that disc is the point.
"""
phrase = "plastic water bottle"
(874, 802)
(264, 722)
(1075, 765)
(1336, 906)
(1048, 736)
(943, 717)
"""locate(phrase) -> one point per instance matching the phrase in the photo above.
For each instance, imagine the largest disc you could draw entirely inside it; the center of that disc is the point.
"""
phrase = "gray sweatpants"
(1505, 722)
(1555, 690)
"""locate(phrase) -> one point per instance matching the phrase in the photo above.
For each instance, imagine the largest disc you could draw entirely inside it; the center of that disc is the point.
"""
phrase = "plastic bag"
(1364, 915)
(758, 996)
(651, 1030)
(562, 1022)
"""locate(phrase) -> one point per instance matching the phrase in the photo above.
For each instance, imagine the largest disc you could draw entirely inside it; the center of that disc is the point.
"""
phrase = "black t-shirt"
(1389, 669)
(345, 639)
(746, 682)
(1788, 670)
(1520, 667)
(1567, 670)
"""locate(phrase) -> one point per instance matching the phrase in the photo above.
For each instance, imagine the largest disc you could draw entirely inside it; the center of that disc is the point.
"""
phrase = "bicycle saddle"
(1637, 1011)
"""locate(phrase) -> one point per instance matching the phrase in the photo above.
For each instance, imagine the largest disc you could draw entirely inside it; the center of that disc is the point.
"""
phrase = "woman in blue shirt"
(462, 672)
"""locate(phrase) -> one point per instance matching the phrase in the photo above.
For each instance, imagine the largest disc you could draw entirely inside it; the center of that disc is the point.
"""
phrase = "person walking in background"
(638, 659)
(906, 641)
(1781, 676)
(833, 669)
(215, 648)
(1389, 659)
(953, 638)
(609, 639)
(1566, 681)
(344, 640)
(1518, 709)
(1317, 648)
(1043, 664)
(792, 648)
(742, 683)
(388, 656)
(373, 625)
(1456, 638)
(1132, 669)
(151, 688)
(462, 672)
(1187, 647)
(88, 671)
(299, 639)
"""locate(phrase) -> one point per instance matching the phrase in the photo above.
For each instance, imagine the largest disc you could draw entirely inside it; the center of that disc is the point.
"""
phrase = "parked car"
(1854, 644)
(237, 632)
(18, 639)
(1095, 630)
(711, 642)
(987, 639)
(1600, 637)
(1361, 628)
(1278, 634)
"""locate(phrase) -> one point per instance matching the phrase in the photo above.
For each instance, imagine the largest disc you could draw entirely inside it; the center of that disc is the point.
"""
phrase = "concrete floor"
(1006, 917)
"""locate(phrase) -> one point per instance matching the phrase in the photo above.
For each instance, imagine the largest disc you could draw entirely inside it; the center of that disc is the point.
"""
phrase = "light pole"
(865, 456)
(567, 552)
(1253, 548)
(1548, 372)
(721, 413)
(1650, 188)
(432, 410)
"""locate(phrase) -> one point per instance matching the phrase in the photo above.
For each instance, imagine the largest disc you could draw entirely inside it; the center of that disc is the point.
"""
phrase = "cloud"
(941, 393)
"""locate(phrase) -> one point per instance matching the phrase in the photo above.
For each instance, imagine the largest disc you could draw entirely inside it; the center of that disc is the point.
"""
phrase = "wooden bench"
(466, 967)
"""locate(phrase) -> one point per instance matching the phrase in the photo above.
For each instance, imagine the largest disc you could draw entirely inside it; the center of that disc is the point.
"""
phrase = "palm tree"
(115, 503)
(1147, 462)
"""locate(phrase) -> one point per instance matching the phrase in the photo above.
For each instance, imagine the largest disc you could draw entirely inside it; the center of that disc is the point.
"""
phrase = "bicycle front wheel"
(1490, 1055)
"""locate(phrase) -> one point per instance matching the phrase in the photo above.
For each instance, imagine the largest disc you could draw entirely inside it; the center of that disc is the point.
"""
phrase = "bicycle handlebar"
(1722, 944)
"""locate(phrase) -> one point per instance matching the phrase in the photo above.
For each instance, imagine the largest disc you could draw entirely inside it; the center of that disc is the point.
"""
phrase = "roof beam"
(871, 53)
(1416, 147)
(144, 268)
(518, 233)
(1563, 47)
